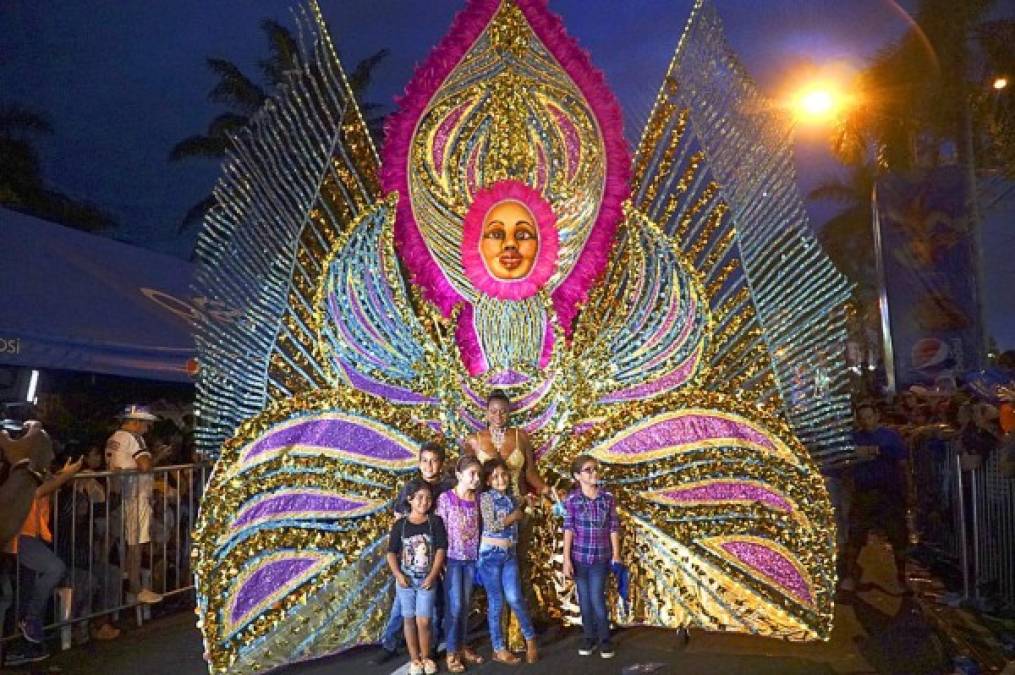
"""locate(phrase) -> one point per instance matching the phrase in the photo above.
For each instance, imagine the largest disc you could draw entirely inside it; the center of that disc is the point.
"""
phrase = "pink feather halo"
(472, 234)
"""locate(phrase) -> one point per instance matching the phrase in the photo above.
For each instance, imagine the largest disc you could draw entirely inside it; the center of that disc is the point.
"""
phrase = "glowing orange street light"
(819, 102)
(1000, 83)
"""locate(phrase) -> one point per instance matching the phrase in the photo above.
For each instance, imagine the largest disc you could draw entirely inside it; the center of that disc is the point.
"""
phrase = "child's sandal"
(470, 656)
(505, 656)
(429, 666)
(455, 664)
(415, 668)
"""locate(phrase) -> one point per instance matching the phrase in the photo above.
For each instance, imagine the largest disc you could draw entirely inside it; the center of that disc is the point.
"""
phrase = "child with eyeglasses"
(591, 545)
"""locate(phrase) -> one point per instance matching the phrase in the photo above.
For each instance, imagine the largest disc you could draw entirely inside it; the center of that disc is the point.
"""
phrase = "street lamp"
(820, 101)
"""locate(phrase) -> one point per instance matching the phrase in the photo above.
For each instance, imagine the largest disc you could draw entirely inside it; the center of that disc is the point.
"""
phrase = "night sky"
(123, 82)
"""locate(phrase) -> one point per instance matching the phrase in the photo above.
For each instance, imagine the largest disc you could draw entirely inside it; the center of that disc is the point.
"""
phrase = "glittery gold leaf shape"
(290, 544)
(726, 521)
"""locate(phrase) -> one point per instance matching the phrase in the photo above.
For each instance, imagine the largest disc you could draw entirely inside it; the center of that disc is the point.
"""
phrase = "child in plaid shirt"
(591, 545)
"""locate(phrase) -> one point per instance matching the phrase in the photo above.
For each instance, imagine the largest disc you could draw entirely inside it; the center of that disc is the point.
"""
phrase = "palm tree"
(20, 172)
(22, 185)
(927, 93)
(243, 97)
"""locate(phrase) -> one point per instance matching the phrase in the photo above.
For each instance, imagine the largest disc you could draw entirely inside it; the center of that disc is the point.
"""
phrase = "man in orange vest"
(33, 554)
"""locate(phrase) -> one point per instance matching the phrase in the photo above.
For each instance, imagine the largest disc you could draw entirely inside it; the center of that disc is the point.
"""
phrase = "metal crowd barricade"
(88, 521)
(992, 497)
(938, 498)
(966, 511)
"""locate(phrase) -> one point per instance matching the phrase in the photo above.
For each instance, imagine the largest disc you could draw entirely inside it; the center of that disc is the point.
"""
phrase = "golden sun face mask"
(510, 241)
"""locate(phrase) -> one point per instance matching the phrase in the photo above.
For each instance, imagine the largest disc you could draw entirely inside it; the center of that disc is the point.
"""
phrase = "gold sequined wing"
(291, 540)
(726, 522)
(296, 180)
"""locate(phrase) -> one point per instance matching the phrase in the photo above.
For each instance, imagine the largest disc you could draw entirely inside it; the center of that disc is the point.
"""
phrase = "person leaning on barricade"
(26, 459)
(126, 451)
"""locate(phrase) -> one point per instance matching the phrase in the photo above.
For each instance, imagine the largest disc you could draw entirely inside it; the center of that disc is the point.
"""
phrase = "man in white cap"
(126, 451)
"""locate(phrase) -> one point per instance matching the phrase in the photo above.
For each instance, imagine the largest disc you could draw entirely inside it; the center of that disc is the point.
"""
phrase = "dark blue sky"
(123, 82)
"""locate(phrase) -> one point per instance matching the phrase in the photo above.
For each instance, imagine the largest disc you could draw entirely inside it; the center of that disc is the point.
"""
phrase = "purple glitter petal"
(658, 386)
(358, 439)
(508, 377)
(350, 340)
(571, 140)
(386, 391)
(293, 503)
(266, 581)
(357, 308)
(687, 429)
(443, 131)
(727, 491)
(772, 565)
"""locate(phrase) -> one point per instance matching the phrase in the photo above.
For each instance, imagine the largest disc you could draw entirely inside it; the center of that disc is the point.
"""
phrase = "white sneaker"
(148, 597)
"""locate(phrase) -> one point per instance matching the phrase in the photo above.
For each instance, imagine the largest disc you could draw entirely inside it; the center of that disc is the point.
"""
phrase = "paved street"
(879, 632)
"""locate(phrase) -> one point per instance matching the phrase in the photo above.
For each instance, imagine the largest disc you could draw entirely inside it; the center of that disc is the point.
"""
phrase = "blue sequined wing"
(298, 179)
(291, 540)
(643, 332)
(369, 337)
(714, 169)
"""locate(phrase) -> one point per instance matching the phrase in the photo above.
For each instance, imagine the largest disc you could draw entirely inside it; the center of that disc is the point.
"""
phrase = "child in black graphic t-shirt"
(417, 546)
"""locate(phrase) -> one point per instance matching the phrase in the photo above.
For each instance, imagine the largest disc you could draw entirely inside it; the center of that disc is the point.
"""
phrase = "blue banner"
(929, 273)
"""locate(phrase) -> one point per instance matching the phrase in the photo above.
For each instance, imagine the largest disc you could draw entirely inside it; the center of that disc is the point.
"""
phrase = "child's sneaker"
(415, 668)
(586, 648)
(31, 628)
(25, 652)
(429, 666)
(606, 650)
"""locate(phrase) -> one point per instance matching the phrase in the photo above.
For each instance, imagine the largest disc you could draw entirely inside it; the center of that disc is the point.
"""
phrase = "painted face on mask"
(510, 241)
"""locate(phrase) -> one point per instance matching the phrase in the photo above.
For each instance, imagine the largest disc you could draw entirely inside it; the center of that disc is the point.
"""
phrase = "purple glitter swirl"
(665, 383)
(293, 503)
(571, 142)
(687, 429)
(267, 580)
(441, 136)
(345, 435)
(773, 565)
(721, 491)
(386, 391)
(508, 377)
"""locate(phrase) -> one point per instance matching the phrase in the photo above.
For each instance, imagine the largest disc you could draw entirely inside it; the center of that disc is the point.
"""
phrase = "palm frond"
(283, 50)
(199, 146)
(195, 215)
(361, 75)
(234, 88)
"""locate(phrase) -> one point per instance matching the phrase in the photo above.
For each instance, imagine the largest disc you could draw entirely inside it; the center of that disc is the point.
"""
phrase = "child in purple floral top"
(460, 512)
(591, 545)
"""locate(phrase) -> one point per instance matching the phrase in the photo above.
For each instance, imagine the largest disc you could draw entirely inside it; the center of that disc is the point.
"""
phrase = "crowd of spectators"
(99, 514)
(899, 441)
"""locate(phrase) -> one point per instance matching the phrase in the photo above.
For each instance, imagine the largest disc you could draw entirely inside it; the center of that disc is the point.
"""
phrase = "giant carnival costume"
(668, 313)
